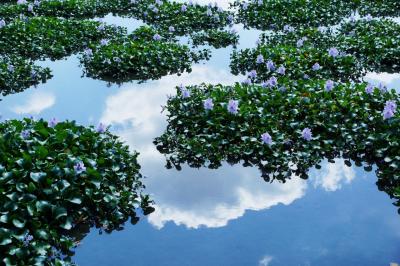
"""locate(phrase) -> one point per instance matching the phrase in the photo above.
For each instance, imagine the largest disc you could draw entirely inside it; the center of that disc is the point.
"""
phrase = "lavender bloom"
(10, 68)
(101, 128)
(156, 37)
(334, 52)
(53, 122)
(306, 134)
(260, 59)
(185, 93)
(270, 65)
(171, 29)
(233, 106)
(266, 138)
(101, 27)
(245, 6)
(281, 70)
(88, 52)
(329, 85)
(208, 104)
(209, 12)
(33, 74)
(21, 2)
(369, 89)
(27, 239)
(2, 23)
(183, 8)
(79, 167)
(300, 43)
(352, 18)
(382, 88)
(368, 17)
(246, 82)
(30, 8)
(272, 82)
(25, 134)
(316, 67)
(253, 74)
(103, 42)
(36, 3)
(288, 28)
(389, 110)
(230, 19)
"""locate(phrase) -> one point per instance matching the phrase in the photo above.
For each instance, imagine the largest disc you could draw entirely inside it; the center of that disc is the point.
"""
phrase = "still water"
(228, 216)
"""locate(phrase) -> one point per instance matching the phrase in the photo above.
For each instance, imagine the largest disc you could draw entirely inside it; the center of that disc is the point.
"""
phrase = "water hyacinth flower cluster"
(76, 160)
(276, 129)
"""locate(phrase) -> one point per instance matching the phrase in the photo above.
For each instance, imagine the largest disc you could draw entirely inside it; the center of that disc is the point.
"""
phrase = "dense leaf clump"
(216, 38)
(56, 177)
(357, 47)
(17, 74)
(206, 126)
(140, 56)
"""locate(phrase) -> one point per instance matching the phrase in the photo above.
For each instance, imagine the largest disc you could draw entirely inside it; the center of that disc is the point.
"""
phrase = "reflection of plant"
(141, 56)
(269, 128)
(17, 74)
(216, 38)
(55, 177)
(42, 37)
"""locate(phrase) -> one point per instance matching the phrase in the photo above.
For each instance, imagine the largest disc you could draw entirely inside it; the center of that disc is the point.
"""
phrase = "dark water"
(228, 216)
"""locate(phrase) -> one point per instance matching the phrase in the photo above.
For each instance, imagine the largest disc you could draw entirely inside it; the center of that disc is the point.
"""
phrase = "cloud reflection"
(35, 103)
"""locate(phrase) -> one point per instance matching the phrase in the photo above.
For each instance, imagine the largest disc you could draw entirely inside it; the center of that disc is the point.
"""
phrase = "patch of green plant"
(275, 14)
(17, 74)
(53, 38)
(56, 177)
(286, 131)
(141, 56)
(381, 8)
(215, 38)
(376, 43)
(291, 62)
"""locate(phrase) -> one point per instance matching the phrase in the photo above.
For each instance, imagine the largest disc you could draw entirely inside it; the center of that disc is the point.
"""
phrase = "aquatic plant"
(215, 38)
(56, 177)
(305, 124)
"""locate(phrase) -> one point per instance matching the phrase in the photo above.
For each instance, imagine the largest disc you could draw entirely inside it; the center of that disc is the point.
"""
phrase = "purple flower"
(246, 82)
(272, 82)
(306, 134)
(266, 138)
(103, 42)
(208, 104)
(316, 67)
(389, 110)
(101, 128)
(288, 28)
(300, 43)
(53, 122)
(329, 85)
(156, 37)
(368, 17)
(260, 59)
(233, 106)
(369, 88)
(334, 52)
(25, 134)
(21, 2)
(2, 23)
(253, 74)
(270, 65)
(183, 8)
(382, 88)
(171, 29)
(27, 239)
(30, 8)
(79, 167)
(88, 52)
(281, 70)
(10, 68)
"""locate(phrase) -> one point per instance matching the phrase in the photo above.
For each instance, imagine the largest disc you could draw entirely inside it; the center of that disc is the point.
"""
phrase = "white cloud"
(36, 103)
(265, 260)
(385, 78)
(333, 175)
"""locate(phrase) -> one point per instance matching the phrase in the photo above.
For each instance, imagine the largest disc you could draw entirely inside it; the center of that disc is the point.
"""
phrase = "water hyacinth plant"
(56, 178)
(306, 122)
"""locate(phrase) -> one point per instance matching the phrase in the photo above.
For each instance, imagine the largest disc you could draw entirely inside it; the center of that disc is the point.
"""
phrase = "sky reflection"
(228, 216)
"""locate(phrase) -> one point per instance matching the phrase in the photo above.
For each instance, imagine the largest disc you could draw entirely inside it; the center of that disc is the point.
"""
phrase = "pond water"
(228, 216)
